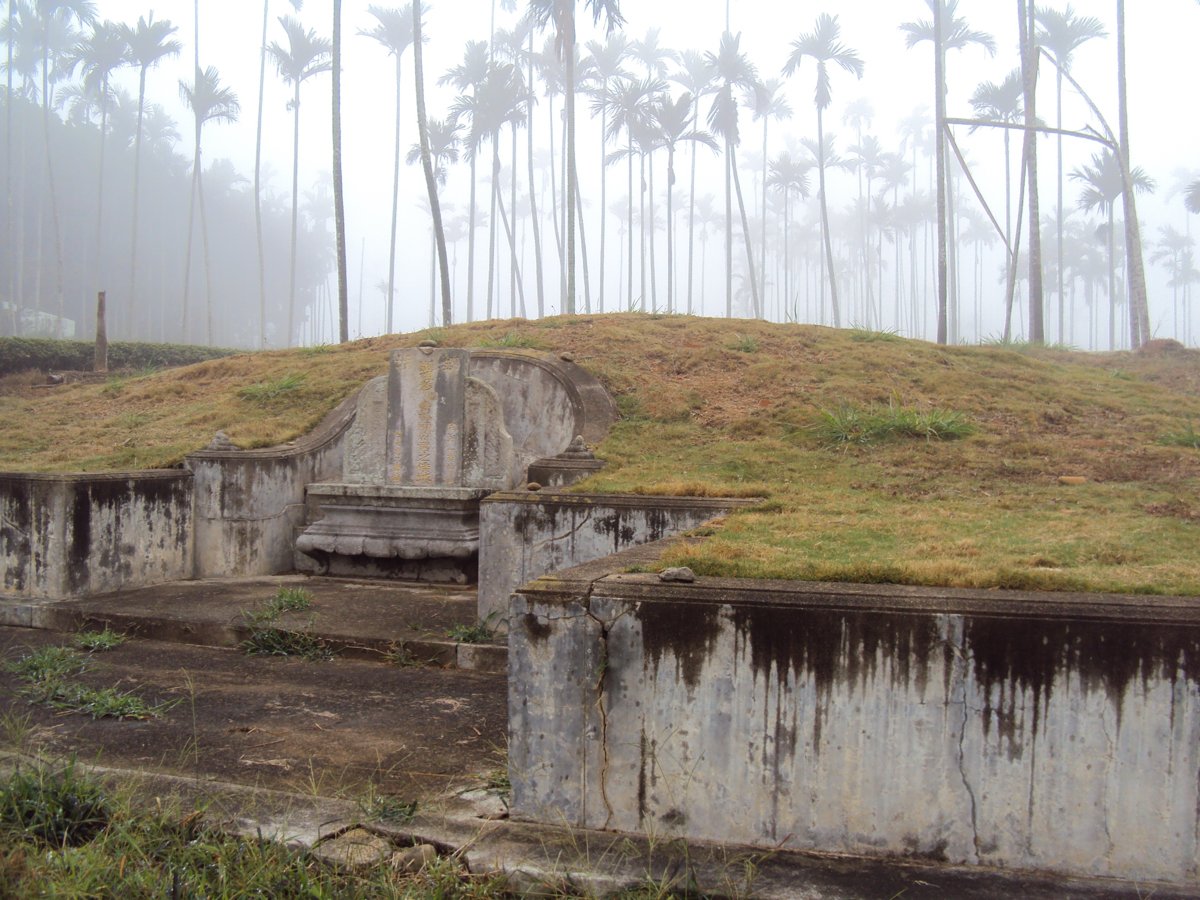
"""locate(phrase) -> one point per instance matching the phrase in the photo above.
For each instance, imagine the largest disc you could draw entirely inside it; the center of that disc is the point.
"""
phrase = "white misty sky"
(1162, 36)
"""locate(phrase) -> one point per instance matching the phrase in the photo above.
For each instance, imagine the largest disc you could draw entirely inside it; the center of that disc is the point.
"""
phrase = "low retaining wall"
(1058, 733)
(67, 536)
(524, 535)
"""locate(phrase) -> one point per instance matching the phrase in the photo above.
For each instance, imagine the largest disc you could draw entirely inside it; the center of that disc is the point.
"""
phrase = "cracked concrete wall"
(65, 536)
(993, 729)
(525, 535)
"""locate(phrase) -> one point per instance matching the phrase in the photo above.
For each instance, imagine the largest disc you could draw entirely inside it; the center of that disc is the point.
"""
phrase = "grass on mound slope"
(882, 460)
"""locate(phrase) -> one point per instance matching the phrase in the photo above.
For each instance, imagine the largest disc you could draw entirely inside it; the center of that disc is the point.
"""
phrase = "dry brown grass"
(708, 413)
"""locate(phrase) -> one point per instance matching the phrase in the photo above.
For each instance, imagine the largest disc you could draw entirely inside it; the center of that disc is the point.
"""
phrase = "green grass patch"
(849, 424)
(66, 833)
(1186, 436)
(512, 340)
(480, 632)
(744, 343)
(868, 336)
(98, 641)
(285, 642)
(267, 392)
(50, 677)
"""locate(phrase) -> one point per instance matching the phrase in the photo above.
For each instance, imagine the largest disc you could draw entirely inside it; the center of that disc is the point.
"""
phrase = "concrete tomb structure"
(427, 444)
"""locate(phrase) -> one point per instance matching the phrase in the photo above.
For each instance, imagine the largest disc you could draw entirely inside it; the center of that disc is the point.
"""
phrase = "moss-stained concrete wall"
(74, 535)
(524, 535)
(1053, 732)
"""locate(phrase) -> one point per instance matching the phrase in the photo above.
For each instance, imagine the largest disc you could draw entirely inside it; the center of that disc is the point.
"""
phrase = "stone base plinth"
(419, 534)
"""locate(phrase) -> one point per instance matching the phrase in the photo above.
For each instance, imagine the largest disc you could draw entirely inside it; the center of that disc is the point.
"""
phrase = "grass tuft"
(98, 641)
(59, 807)
(850, 424)
(264, 393)
(512, 340)
(869, 336)
(744, 343)
(282, 642)
(481, 632)
(1187, 436)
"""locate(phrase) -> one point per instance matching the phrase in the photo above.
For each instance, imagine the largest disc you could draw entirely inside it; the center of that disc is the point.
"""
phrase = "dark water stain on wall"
(1011, 656)
(685, 632)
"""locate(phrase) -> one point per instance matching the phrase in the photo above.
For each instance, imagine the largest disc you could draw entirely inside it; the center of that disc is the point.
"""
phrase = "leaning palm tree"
(428, 166)
(946, 31)
(1003, 102)
(393, 30)
(824, 46)
(99, 55)
(149, 44)
(562, 14)
(1061, 34)
(305, 56)
(731, 69)
(670, 122)
(1104, 185)
(209, 102)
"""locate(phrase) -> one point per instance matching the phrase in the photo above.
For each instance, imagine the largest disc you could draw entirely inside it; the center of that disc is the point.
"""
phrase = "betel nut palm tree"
(98, 55)
(209, 102)
(1104, 185)
(468, 76)
(562, 14)
(150, 42)
(394, 31)
(1061, 34)
(824, 46)
(732, 70)
(258, 219)
(305, 55)
(428, 165)
(946, 31)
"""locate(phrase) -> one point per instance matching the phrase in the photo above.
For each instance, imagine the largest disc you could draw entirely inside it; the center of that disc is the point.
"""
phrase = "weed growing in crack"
(98, 641)
(282, 642)
(49, 676)
(481, 632)
(387, 807)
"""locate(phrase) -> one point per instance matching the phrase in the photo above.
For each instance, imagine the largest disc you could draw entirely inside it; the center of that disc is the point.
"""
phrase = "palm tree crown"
(1062, 33)
(824, 46)
(305, 56)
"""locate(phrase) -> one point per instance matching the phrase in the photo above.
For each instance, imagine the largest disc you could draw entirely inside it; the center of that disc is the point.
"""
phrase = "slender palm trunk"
(629, 229)
(208, 292)
(427, 164)
(258, 220)
(339, 203)
(670, 229)
(295, 214)
(1036, 293)
(498, 198)
(491, 279)
(572, 172)
(98, 271)
(131, 299)
(57, 227)
(187, 255)
(12, 249)
(603, 197)
(650, 207)
(512, 204)
(391, 289)
(825, 236)
(533, 210)
(692, 207)
(939, 137)
(728, 229)
(470, 240)
(756, 307)
(1062, 297)
(763, 248)
(583, 254)
(1139, 309)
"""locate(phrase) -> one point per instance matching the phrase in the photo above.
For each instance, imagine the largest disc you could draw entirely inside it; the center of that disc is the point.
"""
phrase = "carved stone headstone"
(426, 416)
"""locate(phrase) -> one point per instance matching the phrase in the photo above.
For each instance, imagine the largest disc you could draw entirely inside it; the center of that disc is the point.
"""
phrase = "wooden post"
(101, 361)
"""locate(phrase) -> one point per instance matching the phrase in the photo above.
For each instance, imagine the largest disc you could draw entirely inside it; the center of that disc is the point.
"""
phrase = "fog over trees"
(575, 160)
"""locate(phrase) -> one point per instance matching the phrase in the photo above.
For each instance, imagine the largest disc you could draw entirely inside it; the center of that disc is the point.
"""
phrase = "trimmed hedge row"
(24, 354)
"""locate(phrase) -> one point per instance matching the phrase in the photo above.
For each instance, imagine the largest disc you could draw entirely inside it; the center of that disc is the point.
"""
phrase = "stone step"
(356, 619)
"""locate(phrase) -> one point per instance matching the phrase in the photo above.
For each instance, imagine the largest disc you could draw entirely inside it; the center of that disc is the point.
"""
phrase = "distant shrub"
(41, 354)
